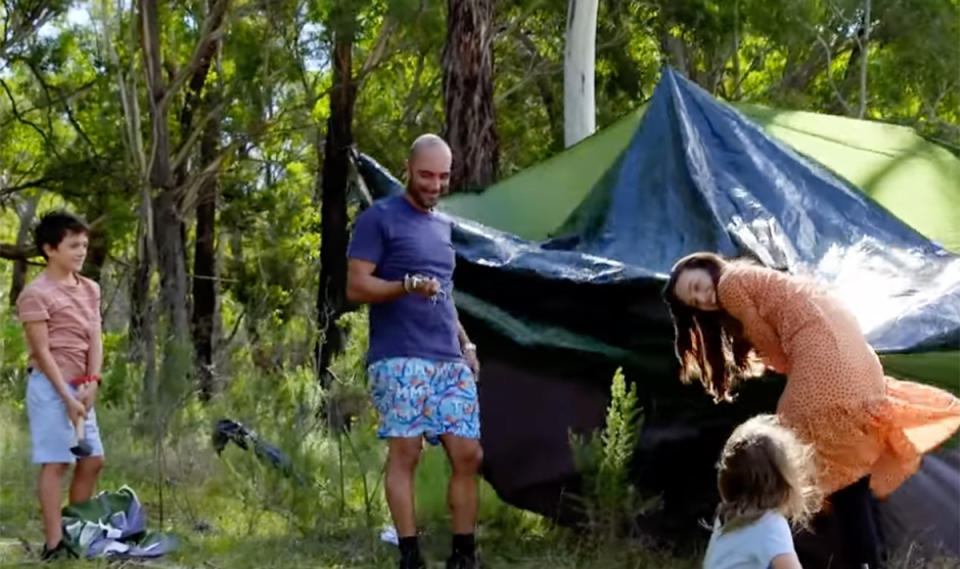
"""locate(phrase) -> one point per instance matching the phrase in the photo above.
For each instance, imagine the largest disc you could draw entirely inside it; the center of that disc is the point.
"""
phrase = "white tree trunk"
(579, 104)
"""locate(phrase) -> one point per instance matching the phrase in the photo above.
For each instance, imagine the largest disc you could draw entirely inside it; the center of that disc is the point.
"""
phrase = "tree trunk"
(864, 56)
(139, 296)
(672, 48)
(160, 174)
(97, 253)
(626, 77)
(19, 279)
(170, 229)
(579, 59)
(204, 323)
(545, 87)
(333, 209)
(143, 325)
(171, 252)
(181, 177)
(801, 69)
(170, 247)
(737, 76)
(470, 127)
(99, 240)
(205, 265)
(839, 104)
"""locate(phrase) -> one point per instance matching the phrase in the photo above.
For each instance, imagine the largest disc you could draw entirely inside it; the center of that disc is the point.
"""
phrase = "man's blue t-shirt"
(401, 239)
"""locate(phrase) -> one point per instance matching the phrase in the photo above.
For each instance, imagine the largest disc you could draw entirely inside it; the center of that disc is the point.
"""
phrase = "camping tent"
(917, 180)
(560, 270)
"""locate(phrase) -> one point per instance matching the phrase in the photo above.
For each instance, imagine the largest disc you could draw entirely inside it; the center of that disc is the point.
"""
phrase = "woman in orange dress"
(868, 431)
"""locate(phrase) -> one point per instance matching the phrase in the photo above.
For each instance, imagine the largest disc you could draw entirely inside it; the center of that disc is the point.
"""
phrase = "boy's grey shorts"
(51, 434)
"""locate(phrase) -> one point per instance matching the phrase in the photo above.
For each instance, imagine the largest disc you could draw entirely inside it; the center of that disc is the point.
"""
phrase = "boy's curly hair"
(56, 225)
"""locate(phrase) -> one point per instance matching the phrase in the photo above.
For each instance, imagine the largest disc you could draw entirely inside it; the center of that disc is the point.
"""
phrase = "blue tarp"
(699, 176)
(696, 176)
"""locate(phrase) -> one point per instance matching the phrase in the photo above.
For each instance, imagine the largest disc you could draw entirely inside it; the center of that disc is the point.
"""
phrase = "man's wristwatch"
(469, 347)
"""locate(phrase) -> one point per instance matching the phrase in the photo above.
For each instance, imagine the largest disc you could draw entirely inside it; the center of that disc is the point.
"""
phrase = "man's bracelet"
(411, 282)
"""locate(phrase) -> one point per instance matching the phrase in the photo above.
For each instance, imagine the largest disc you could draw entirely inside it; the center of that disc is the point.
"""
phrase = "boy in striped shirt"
(60, 312)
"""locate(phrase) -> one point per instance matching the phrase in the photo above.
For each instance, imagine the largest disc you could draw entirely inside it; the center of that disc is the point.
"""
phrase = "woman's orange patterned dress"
(836, 397)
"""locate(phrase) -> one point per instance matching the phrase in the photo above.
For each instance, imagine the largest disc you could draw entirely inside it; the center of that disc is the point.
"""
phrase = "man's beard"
(418, 197)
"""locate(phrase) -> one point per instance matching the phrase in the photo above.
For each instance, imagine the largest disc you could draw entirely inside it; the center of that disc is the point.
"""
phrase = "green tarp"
(915, 179)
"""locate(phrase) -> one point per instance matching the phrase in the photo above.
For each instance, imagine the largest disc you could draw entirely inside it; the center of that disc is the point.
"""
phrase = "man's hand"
(424, 286)
(471, 359)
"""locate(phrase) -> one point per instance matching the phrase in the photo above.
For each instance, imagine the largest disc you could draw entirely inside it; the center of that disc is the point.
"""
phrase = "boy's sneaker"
(61, 551)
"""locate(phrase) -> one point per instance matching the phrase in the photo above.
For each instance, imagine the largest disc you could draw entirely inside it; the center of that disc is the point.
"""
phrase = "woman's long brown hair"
(710, 345)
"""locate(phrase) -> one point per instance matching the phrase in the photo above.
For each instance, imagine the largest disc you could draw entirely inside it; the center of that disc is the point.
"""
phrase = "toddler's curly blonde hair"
(764, 466)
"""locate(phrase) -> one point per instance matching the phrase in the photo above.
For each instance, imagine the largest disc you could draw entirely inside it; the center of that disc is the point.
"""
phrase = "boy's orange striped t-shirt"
(72, 312)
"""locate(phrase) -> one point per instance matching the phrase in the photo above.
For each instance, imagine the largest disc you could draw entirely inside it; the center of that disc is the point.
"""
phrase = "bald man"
(422, 365)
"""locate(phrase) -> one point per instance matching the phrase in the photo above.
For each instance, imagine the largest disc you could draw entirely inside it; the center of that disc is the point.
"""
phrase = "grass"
(231, 511)
(256, 518)
(256, 521)
(254, 524)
